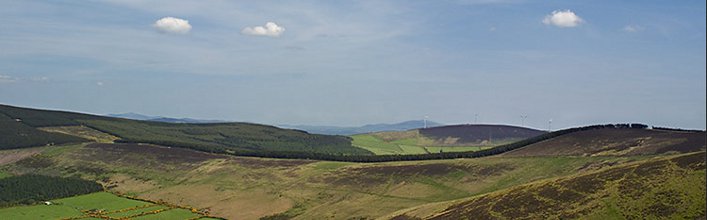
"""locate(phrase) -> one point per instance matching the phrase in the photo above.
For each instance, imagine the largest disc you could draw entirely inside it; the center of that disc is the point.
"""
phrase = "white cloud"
(172, 25)
(99, 83)
(633, 28)
(563, 18)
(270, 29)
(7, 79)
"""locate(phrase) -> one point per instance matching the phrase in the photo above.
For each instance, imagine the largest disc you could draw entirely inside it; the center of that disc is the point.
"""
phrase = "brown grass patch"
(617, 142)
(11, 156)
(259, 163)
(146, 155)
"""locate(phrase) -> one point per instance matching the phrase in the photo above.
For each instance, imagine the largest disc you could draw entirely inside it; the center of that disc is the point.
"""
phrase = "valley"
(588, 167)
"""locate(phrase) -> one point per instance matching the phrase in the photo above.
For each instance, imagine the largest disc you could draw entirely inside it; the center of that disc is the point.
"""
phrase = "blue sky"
(359, 62)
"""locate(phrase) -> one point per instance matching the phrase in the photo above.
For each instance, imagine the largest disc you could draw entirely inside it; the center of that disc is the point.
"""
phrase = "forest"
(32, 189)
(14, 134)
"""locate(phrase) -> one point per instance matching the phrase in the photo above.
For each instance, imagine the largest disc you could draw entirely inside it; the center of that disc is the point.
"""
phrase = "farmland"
(99, 205)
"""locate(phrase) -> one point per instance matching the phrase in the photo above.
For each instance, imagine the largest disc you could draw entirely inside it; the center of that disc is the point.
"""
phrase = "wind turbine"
(425, 120)
(476, 118)
(522, 119)
(549, 125)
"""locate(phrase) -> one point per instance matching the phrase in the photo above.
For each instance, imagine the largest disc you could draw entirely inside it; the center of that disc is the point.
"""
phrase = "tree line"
(676, 129)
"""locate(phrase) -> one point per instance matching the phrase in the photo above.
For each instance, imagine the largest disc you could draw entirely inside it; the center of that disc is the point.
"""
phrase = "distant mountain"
(136, 116)
(335, 130)
(185, 120)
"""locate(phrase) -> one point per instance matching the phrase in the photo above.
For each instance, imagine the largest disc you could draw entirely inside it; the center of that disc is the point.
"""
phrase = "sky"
(350, 63)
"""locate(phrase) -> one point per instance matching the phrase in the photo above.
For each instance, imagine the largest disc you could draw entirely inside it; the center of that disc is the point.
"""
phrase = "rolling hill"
(601, 171)
(478, 134)
(616, 141)
(15, 134)
(665, 188)
(230, 138)
(311, 189)
(247, 139)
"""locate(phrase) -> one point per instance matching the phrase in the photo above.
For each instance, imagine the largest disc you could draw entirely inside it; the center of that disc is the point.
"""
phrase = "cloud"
(633, 28)
(12, 79)
(172, 25)
(99, 83)
(563, 19)
(7, 79)
(270, 30)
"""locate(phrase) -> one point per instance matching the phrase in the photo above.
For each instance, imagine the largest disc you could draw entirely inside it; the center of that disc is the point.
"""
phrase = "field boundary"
(103, 214)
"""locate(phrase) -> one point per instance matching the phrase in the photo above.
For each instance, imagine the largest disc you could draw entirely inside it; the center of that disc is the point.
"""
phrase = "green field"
(96, 204)
(406, 145)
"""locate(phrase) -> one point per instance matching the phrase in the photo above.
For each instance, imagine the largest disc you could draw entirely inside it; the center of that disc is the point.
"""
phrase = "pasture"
(100, 205)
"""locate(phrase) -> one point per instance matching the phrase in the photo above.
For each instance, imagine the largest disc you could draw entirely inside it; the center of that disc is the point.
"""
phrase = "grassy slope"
(611, 141)
(221, 137)
(669, 187)
(73, 207)
(83, 132)
(301, 188)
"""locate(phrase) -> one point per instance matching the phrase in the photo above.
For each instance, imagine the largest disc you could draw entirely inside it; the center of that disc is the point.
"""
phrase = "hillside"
(247, 139)
(451, 138)
(615, 141)
(670, 188)
(231, 138)
(336, 130)
(300, 189)
(15, 134)
(478, 134)
(310, 189)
